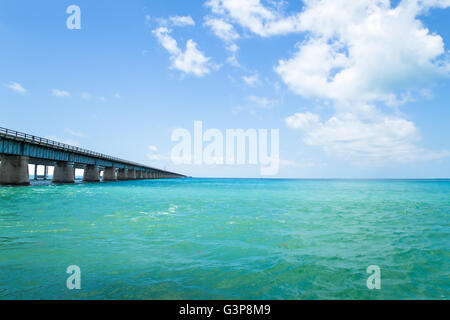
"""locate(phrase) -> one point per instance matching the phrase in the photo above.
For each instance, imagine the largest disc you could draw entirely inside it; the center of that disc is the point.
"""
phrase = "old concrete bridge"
(18, 150)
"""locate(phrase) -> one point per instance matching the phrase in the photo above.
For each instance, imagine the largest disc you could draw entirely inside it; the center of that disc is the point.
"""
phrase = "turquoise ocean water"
(227, 239)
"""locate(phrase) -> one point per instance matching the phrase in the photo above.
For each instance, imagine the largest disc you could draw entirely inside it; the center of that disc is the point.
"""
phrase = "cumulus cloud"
(363, 51)
(373, 138)
(228, 34)
(189, 61)
(16, 87)
(60, 93)
(252, 15)
(222, 29)
(182, 21)
(359, 54)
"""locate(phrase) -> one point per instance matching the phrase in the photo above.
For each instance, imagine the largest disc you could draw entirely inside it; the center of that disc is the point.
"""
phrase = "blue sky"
(357, 89)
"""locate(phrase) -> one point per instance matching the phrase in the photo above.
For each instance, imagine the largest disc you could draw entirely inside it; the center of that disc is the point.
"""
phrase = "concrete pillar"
(64, 172)
(131, 174)
(35, 172)
(138, 175)
(45, 172)
(122, 174)
(14, 171)
(146, 177)
(109, 174)
(91, 174)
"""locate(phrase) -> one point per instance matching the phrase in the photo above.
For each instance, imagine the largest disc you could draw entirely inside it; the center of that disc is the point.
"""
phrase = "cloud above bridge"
(191, 60)
(363, 58)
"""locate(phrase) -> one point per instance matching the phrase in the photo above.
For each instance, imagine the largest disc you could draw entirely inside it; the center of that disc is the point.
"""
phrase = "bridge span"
(18, 150)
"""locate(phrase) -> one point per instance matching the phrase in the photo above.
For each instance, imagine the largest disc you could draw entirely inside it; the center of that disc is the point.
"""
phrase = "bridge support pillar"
(146, 175)
(131, 174)
(64, 172)
(45, 172)
(14, 171)
(122, 174)
(109, 174)
(91, 174)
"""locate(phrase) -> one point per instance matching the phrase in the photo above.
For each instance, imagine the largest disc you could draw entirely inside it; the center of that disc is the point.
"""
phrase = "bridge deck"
(45, 151)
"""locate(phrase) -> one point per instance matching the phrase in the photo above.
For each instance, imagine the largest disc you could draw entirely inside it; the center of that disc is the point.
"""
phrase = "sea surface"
(227, 239)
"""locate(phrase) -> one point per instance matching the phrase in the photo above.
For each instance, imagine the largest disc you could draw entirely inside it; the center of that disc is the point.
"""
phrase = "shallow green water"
(226, 239)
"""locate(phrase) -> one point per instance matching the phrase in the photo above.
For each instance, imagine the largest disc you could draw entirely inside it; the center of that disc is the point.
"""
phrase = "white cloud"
(371, 138)
(303, 121)
(263, 20)
(190, 61)
(182, 21)
(358, 54)
(222, 29)
(60, 93)
(364, 51)
(228, 34)
(252, 80)
(116, 96)
(16, 87)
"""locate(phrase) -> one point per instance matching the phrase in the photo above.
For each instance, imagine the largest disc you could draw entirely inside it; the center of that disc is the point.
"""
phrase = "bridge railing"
(54, 144)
